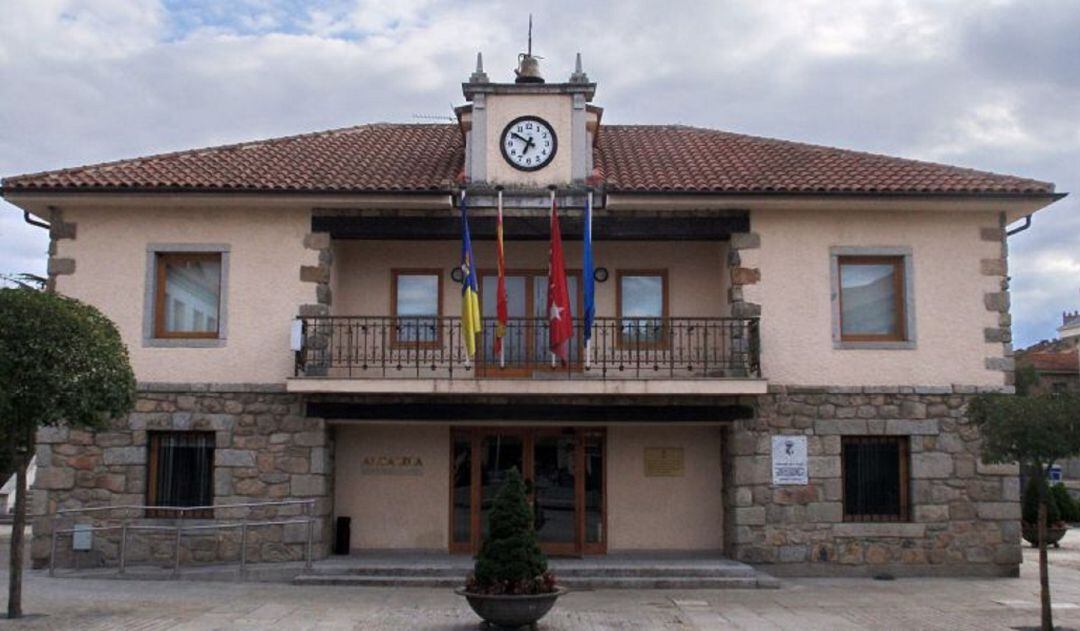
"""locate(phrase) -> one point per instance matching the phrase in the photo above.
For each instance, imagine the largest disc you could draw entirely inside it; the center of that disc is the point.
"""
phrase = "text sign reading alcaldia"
(789, 464)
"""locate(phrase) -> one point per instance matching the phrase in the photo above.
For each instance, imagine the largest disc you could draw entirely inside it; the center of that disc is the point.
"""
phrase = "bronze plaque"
(664, 462)
(391, 465)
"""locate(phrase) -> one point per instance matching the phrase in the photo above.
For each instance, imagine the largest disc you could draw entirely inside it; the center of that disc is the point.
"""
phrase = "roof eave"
(1014, 205)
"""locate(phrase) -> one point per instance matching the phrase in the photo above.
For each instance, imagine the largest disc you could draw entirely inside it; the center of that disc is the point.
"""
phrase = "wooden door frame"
(530, 337)
(476, 436)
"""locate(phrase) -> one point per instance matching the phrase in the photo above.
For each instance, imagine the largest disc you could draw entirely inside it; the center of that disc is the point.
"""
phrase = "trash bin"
(341, 535)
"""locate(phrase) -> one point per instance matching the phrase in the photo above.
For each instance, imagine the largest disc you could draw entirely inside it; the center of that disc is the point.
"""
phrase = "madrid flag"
(560, 325)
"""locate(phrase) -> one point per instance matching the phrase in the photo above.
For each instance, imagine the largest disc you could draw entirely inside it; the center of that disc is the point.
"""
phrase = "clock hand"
(519, 137)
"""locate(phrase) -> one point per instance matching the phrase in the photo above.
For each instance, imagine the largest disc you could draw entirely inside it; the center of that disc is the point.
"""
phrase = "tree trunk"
(1044, 570)
(17, 527)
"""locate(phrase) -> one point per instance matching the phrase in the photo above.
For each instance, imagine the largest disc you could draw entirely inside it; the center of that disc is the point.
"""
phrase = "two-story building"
(786, 338)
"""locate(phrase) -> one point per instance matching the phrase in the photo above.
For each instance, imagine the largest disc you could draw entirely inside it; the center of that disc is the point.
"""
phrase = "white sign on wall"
(789, 465)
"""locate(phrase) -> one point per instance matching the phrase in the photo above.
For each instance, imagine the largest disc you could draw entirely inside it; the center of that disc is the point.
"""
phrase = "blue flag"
(470, 300)
(589, 288)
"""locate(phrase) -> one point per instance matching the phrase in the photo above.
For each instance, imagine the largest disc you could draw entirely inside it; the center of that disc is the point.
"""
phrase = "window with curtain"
(188, 295)
(180, 472)
(872, 298)
(642, 298)
(875, 478)
(416, 299)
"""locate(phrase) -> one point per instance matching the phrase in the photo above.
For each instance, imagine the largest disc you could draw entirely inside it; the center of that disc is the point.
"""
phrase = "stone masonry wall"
(964, 515)
(265, 450)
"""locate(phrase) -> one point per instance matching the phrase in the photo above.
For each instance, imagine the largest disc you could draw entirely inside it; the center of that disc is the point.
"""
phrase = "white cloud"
(987, 85)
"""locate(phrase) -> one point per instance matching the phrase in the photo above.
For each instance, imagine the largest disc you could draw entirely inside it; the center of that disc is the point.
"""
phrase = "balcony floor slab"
(595, 387)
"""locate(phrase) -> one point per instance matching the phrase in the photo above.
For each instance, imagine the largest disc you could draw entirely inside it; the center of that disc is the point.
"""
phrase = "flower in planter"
(510, 560)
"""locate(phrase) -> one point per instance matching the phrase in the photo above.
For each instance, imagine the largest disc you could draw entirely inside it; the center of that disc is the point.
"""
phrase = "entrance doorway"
(564, 473)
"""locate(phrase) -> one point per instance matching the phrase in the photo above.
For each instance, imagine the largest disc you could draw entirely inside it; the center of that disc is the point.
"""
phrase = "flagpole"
(498, 331)
(464, 280)
(551, 215)
(588, 330)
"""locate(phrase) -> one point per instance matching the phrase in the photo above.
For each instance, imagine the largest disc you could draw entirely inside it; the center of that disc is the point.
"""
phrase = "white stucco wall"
(697, 278)
(656, 513)
(950, 315)
(264, 290)
(390, 510)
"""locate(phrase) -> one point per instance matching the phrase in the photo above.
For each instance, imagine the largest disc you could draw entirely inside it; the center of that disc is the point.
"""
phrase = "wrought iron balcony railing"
(620, 348)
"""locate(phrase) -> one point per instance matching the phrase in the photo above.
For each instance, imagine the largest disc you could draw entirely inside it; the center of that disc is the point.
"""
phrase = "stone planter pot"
(1030, 532)
(511, 611)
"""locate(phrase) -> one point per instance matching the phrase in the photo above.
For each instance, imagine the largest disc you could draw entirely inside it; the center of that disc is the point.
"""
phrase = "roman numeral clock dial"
(528, 143)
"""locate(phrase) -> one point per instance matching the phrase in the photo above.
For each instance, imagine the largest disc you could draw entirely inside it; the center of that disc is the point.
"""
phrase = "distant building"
(1070, 332)
(1056, 365)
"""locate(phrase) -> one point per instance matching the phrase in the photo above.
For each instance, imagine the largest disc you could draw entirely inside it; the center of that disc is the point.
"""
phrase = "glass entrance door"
(555, 506)
(499, 453)
(563, 470)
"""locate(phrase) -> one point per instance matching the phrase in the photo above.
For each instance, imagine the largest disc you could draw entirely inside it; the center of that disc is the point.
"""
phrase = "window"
(642, 303)
(180, 472)
(872, 301)
(187, 295)
(416, 296)
(875, 472)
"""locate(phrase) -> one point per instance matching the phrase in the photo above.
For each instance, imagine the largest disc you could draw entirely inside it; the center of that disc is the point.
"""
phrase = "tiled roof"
(369, 158)
(1052, 360)
(690, 159)
(425, 157)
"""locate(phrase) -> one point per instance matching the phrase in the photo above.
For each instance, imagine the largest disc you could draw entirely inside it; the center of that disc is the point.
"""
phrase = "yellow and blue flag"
(470, 289)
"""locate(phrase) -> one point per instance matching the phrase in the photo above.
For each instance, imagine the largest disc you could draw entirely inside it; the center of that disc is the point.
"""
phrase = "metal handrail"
(421, 347)
(91, 509)
(308, 518)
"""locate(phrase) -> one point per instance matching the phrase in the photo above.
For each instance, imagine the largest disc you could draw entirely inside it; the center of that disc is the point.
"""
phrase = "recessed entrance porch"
(596, 488)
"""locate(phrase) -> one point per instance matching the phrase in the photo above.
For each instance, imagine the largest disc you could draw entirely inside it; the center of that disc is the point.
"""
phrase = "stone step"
(723, 571)
(577, 582)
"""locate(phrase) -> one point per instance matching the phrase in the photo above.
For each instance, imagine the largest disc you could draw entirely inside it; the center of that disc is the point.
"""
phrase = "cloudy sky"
(991, 85)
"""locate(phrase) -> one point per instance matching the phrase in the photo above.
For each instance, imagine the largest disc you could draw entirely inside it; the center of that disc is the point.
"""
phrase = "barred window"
(875, 477)
(180, 471)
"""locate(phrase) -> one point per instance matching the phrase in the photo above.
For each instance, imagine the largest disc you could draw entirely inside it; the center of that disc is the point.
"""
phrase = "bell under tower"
(528, 133)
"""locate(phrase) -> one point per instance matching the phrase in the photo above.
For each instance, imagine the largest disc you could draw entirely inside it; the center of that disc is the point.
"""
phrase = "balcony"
(374, 354)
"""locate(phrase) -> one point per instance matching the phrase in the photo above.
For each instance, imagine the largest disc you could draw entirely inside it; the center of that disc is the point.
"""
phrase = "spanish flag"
(470, 290)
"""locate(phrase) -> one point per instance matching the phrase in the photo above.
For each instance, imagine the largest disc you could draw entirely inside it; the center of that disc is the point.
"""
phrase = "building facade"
(786, 339)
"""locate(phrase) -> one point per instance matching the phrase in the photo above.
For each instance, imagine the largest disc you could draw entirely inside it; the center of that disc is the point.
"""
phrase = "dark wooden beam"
(532, 228)
(539, 413)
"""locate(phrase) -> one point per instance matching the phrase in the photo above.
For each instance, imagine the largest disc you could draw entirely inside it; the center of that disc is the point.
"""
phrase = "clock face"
(528, 143)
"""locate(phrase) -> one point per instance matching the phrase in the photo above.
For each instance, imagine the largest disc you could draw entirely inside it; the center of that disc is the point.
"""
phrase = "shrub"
(510, 560)
(1068, 508)
(1030, 506)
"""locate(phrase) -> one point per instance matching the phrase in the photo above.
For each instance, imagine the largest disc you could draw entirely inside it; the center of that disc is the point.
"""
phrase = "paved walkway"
(832, 604)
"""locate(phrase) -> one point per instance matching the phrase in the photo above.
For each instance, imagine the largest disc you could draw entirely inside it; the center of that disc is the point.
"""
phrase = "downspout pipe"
(34, 222)
(1027, 224)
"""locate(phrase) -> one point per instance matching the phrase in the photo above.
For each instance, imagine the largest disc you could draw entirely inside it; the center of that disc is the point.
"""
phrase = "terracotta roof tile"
(426, 157)
(1051, 361)
(689, 159)
(375, 158)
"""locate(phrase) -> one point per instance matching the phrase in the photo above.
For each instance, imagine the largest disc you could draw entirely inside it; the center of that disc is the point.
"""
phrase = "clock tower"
(528, 134)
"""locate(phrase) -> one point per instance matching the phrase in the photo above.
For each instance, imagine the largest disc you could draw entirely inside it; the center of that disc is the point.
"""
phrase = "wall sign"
(664, 462)
(392, 465)
(789, 464)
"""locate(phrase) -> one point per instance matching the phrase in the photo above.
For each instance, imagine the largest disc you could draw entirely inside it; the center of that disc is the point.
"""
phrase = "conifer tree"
(510, 558)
